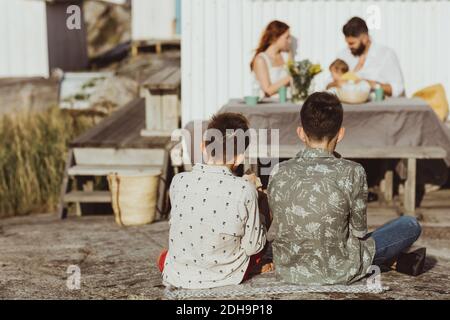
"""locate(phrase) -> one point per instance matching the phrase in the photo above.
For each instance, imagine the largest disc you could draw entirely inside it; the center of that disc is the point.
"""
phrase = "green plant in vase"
(302, 73)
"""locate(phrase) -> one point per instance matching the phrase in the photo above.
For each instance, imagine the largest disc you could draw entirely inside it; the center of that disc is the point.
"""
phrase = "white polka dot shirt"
(214, 228)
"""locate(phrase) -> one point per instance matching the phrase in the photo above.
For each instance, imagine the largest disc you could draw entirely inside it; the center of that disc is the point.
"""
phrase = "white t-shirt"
(381, 65)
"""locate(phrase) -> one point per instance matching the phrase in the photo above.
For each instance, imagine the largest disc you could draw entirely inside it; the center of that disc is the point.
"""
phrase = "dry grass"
(33, 148)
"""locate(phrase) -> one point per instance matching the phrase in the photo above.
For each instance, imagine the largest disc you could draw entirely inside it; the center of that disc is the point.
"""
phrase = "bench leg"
(163, 188)
(65, 186)
(134, 50)
(78, 210)
(388, 185)
(410, 188)
(158, 48)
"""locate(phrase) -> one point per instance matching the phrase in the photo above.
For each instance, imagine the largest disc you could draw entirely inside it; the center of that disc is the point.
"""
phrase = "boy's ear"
(341, 134)
(301, 134)
(240, 158)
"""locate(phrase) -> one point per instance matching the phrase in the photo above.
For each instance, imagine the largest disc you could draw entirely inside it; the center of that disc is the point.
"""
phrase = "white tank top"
(275, 73)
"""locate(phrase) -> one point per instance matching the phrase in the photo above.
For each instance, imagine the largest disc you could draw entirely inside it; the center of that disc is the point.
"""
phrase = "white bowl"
(354, 93)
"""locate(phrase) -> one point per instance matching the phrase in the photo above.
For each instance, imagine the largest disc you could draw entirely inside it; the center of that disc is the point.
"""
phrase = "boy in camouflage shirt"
(319, 205)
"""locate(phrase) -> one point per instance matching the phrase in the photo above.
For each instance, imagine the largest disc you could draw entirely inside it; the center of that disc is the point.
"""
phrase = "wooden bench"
(162, 101)
(114, 145)
(100, 162)
(408, 154)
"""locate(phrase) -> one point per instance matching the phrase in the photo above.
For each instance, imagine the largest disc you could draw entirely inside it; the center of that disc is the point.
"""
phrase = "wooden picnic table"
(397, 128)
(394, 122)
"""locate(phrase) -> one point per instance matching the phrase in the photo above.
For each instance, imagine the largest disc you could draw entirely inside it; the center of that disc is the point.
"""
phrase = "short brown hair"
(339, 65)
(355, 27)
(232, 129)
(321, 116)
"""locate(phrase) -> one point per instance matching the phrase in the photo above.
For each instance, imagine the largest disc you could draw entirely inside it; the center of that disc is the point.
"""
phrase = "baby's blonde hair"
(339, 65)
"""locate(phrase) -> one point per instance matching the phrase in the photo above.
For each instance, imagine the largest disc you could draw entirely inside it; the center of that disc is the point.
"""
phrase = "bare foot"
(268, 267)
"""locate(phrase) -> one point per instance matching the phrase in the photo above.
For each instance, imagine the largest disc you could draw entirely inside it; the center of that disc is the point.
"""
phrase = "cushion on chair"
(435, 96)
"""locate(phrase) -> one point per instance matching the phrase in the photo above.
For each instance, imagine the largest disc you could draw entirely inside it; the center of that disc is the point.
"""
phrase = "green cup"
(251, 100)
(282, 94)
(379, 93)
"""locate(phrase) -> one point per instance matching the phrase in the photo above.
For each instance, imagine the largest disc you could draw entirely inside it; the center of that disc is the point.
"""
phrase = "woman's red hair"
(273, 31)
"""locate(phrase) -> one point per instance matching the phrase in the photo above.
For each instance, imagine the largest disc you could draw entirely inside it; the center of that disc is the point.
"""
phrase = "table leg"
(410, 188)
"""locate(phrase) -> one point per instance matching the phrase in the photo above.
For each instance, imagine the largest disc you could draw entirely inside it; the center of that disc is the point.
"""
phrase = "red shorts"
(253, 265)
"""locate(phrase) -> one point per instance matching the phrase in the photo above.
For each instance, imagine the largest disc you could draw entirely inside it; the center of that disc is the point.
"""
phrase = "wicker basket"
(134, 197)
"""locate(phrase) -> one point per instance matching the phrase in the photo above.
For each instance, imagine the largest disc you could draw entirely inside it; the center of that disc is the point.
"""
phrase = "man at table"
(369, 60)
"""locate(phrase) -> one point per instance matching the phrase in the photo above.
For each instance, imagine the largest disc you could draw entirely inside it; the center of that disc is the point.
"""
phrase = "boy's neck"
(325, 145)
(229, 166)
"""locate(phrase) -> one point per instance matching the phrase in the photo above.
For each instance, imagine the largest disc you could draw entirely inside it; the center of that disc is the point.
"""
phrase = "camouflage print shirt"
(319, 205)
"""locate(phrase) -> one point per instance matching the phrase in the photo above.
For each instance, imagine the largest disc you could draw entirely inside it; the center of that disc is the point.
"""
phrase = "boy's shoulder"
(236, 183)
(351, 166)
(344, 165)
(282, 167)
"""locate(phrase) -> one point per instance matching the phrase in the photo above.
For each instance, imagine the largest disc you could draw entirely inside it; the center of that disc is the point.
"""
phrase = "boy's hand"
(253, 179)
(250, 177)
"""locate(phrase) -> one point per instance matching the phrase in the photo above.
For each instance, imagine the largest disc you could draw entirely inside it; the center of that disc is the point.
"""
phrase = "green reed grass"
(33, 149)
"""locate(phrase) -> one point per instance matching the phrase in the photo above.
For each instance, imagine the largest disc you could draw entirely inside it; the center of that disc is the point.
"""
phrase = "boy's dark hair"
(339, 65)
(355, 27)
(234, 134)
(321, 116)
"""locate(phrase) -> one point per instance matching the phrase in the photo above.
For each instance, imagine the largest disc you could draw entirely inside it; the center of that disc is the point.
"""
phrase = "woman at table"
(269, 62)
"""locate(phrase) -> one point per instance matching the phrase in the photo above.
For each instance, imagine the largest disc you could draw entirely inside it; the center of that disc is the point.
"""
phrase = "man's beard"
(359, 51)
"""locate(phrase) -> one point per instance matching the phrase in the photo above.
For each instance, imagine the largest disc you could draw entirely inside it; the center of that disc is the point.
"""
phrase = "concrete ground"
(119, 263)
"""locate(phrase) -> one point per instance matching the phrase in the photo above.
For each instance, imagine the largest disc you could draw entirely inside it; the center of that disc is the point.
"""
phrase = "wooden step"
(104, 170)
(88, 197)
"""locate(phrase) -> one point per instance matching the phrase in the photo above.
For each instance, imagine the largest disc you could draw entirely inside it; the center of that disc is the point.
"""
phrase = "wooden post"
(170, 112)
(161, 113)
(153, 112)
(410, 188)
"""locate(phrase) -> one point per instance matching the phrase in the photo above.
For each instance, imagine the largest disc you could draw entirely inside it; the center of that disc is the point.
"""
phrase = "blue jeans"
(394, 237)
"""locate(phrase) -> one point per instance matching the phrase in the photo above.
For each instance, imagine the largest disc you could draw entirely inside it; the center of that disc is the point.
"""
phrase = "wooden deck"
(122, 129)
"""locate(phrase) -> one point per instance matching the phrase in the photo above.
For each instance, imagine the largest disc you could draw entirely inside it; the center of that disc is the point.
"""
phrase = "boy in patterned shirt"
(319, 204)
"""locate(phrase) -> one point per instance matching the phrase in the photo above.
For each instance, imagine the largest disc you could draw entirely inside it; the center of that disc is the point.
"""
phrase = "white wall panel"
(23, 36)
(219, 36)
(152, 19)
